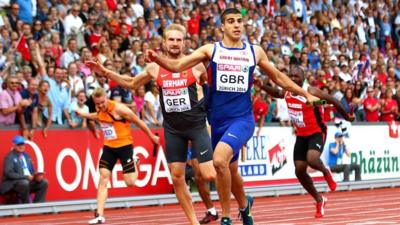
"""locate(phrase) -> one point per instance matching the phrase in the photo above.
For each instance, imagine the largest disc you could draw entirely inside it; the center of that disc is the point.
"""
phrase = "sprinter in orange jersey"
(115, 121)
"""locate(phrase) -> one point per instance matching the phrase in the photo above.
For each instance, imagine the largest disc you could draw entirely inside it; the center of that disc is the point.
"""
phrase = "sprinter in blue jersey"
(230, 63)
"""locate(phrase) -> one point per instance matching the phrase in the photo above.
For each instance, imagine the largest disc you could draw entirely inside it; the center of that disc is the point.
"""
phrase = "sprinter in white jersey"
(229, 102)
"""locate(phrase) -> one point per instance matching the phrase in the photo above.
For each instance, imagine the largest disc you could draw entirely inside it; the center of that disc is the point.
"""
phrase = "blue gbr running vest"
(230, 78)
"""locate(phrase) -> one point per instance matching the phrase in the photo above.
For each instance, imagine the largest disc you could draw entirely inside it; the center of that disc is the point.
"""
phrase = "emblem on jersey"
(184, 74)
(176, 75)
(184, 91)
(245, 69)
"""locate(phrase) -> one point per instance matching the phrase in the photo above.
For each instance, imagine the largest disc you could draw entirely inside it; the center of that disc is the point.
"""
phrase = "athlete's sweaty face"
(233, 26)
(100, 102)
(296, 76)
(173, 42)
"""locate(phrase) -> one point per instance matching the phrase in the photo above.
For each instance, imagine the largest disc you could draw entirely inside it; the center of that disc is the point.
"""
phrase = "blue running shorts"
(235, 133)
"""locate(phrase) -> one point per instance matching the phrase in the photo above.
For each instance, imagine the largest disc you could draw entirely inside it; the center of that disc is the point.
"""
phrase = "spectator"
(56, 48)
(79, 104)
(336, 163)
(13, 16)
(349, 102)
(84, 71)
(389, 108)
(371, 106)
(152, 108)
(27, 10)
(140, 65)
(260, 109)
(193, 23)
(44, 107)
(75, 82)
(93, 82)
(58, 94)
(271, 114)
(11, 103)
(19, 174)
(72, 22)
(30, 114)
(70, 55)
(282, 112)
(120, 94)
(37, 30)
(138, 99)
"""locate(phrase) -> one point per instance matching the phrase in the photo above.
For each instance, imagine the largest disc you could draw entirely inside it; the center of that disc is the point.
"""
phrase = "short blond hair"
(99, 92)
(176, 27)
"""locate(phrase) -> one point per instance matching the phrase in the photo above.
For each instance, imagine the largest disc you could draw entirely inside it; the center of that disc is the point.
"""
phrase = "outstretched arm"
(280, 78)
(124, 81)
(273, 91)
(127, 114)
(91, 116)
(330, 99)
(41, 65)
(178, 65)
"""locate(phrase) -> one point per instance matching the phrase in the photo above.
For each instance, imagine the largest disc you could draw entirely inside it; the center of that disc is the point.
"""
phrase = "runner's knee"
(104, 180)
(130, 182)
(220, 164)
(209, 176)
(178, 177)
(131, 179)
(300, 171)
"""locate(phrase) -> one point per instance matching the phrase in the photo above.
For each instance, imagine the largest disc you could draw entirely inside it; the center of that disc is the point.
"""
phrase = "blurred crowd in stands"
(348, 48)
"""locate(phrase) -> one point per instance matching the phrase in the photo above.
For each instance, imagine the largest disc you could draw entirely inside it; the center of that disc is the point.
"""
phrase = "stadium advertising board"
(269, 158)
(69, 159)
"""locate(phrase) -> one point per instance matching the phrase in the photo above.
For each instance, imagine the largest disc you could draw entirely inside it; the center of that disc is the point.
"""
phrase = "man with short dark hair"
(70, 55)
(11, 103)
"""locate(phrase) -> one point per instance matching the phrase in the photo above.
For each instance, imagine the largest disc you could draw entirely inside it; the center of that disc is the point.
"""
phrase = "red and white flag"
(394, 129)
(23, 48)
(271, 8)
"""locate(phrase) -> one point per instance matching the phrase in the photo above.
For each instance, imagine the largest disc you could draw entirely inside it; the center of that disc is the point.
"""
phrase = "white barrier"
(269, 157)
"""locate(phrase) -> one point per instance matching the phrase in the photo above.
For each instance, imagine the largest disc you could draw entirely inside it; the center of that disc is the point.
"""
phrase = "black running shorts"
(176, 145)
(111, 155)
(314, 141)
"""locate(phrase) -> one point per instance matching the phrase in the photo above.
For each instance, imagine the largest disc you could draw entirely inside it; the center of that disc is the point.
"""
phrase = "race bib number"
(297, 118)
(232, 78)
(176, 100)
(108, 131)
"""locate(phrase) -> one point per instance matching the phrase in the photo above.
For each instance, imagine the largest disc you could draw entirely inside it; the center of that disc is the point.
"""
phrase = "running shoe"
(226, 221)
(209, 218)
(320, 208)
(97, 219)
(331, 182)
(247, 218)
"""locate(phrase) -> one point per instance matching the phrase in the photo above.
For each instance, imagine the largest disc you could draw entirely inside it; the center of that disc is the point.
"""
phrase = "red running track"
(379, 206)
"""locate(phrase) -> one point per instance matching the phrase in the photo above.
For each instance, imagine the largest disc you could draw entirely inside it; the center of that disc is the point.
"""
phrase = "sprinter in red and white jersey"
(310, 133)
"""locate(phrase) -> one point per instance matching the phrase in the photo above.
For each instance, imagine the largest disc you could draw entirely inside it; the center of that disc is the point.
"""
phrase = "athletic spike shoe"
(97, 220)
(320, 208)
(331, 182)
(247, 218)
(209, 218)
(226, 221)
